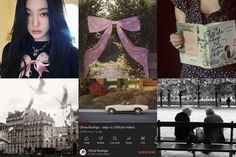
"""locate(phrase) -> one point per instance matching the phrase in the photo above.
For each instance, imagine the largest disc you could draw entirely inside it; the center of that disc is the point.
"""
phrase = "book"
(208, 46)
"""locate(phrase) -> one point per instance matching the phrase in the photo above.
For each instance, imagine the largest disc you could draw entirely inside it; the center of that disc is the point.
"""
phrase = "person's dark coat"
(182, 132)
(213, 134)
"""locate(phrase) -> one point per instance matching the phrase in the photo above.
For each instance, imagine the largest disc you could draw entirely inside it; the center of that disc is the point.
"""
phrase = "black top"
(182, 132)
(214, 134)
(192, 9)
(37, 63)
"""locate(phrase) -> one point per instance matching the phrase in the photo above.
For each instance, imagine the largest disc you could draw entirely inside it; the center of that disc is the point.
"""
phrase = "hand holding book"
(208, 46)
(177, 40)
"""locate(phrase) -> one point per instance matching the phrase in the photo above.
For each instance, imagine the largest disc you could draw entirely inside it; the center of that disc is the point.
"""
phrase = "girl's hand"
(177, 40)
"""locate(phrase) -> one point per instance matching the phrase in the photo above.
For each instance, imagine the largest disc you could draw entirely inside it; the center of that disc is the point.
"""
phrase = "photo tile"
(117, 100)
(196, 114)
(117, 41)
(39, 116)
(118, 77)
(39, 43)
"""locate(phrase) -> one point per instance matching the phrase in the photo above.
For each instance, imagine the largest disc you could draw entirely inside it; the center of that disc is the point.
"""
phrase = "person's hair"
(226, 47)
(228, 7)
(60, 40)
(186, 109)
(209, 111)
(227, 50)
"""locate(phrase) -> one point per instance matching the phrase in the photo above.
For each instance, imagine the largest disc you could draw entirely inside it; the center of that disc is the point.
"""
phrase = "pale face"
(38, 20)
(188, 112)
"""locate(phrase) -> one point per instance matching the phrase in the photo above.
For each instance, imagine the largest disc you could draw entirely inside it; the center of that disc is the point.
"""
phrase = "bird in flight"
(39, 90)
(27, 110)
(70, 119)
(63, 101)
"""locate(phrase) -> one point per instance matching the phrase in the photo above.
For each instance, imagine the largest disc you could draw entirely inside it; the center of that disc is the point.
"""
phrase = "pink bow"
(97, 24)
(40, 64)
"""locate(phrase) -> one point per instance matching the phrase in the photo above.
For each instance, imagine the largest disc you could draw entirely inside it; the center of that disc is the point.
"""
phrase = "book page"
(221, 43)
(190, 43)
(189, 52)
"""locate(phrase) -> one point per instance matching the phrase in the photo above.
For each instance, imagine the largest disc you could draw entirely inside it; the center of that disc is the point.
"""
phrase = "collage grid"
(195, 82)
(118, 77)
(39, 112)
(192, 71)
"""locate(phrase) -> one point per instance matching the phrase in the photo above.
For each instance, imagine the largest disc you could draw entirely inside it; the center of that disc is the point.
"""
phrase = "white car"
(136, 108)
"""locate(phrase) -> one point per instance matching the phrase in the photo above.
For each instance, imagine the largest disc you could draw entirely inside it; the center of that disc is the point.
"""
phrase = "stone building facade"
(15, 136)
(38, 130)
(73, 133)
(31, 131)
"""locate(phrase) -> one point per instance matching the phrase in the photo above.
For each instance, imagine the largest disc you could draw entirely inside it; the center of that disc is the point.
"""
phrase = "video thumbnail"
(118, 100)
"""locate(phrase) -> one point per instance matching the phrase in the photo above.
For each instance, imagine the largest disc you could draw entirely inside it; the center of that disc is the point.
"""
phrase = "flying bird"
(63, 101)
(70, 119)
(27, 110)
(10, 129)
(3, 137)
(39, 90)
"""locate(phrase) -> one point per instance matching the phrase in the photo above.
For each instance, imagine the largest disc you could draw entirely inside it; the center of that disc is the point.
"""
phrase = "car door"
(123, 107)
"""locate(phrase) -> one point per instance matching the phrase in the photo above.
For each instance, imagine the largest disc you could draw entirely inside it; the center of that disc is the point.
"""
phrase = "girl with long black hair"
(203, 12)
(41, 44)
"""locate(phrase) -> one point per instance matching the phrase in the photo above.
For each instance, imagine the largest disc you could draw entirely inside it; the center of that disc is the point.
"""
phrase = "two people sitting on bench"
(186, 133)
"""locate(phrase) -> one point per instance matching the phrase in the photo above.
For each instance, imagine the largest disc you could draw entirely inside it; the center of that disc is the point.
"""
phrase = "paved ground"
(188, 154)
(198, 115)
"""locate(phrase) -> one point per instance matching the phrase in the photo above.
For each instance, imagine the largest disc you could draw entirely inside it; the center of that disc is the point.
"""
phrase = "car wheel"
(137, 111)
(111, 110)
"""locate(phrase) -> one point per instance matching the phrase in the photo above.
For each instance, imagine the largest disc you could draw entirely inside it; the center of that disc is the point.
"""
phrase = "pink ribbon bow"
(40, 64)
(97, 24)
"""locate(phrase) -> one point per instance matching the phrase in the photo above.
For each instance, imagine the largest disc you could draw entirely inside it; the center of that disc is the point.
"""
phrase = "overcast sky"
(15, 94)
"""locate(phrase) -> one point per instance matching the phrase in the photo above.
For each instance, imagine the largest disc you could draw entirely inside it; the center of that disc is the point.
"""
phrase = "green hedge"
(133, 96)
(85, 100)
(141, 100)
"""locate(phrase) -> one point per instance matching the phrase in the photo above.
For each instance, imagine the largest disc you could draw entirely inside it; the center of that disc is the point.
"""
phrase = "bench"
(171, 144)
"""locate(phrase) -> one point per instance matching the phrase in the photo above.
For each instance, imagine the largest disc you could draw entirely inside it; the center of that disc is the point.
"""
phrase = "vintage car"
(126, 107)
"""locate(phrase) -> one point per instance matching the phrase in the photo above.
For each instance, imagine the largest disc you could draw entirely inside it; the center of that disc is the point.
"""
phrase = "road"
(93, 115)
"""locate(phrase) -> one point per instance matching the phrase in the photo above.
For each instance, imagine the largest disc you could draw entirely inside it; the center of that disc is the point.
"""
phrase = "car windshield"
(125, 103)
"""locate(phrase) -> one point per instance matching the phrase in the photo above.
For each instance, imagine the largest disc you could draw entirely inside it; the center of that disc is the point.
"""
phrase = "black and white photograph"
(196, 117)
(38, 117)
